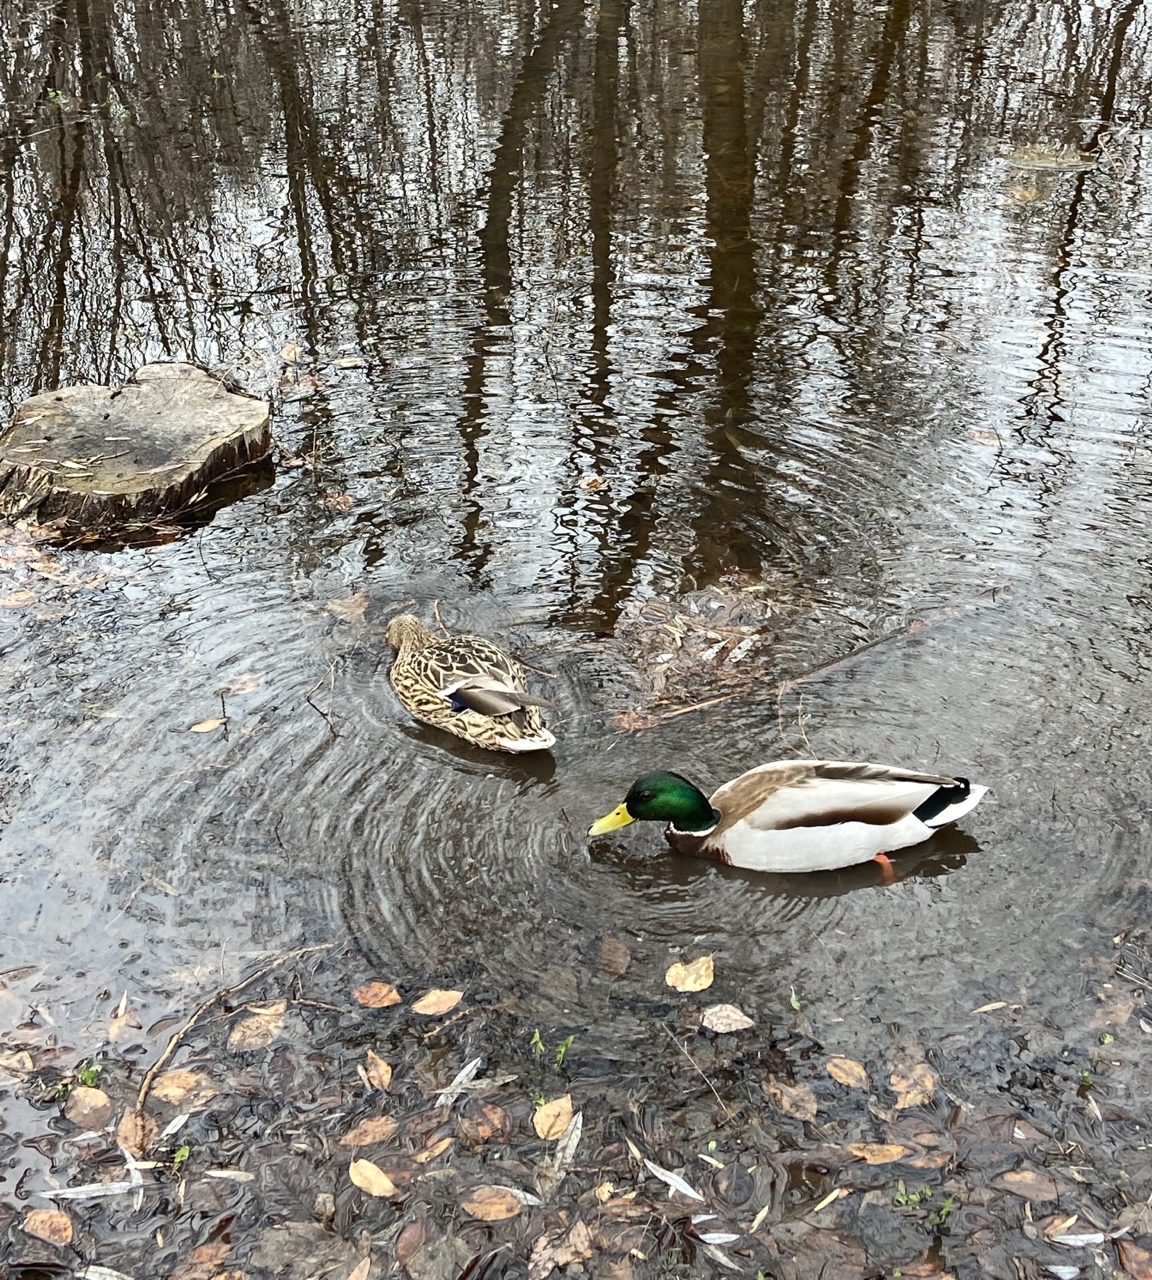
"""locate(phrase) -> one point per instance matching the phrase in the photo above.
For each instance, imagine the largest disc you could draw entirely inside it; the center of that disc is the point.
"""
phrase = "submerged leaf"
(368, 1132)
(48, 1224)
(379, 1072)
(913, 1087)
(878, 1152)
(848, 1072)
(376, 995)
(674, 1180)
(207, 726)
(259, 1029)
(551, 1120)
(491, 1204)
(793, 1099)
(696, 976)
(1028, 1184)
(371, 1178)
(725, 1018)
(437, 1001)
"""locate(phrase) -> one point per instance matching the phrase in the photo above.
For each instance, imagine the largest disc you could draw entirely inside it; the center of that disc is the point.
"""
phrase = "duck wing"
(490, 697)
(820, 793)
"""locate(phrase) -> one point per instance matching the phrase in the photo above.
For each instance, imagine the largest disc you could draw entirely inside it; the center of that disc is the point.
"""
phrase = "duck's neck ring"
(709, 826)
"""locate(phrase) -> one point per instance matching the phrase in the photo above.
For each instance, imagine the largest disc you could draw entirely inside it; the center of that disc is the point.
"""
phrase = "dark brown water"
(835, 319)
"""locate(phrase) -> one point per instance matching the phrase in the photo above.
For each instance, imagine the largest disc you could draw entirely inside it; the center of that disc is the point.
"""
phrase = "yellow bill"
(619, 817)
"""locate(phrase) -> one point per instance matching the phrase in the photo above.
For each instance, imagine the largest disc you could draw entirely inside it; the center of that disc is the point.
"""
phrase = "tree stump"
(108, 460)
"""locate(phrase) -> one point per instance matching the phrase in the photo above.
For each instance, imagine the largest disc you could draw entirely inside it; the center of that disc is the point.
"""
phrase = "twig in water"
(175, 1038)
(700, 1073)
(330, 675)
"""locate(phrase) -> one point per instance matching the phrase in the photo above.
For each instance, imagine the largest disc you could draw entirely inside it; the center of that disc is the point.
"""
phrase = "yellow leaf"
(437, 1001)
(48, 1224)
(913, 1087)
(491, 1204)
(696, 976)
(379, 1072)
(260, 1029)
(376, 995)
(793, 1099)
(848, 1071)
(207, 726)
(878, 1152)
(367, 1132)
(371, 1178)
(725, 1018)
(553, 1118)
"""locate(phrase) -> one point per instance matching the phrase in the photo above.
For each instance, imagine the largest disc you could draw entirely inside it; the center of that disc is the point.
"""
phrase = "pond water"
(587, 326)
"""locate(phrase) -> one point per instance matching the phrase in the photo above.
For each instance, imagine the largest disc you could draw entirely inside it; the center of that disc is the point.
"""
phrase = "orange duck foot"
(887, 871)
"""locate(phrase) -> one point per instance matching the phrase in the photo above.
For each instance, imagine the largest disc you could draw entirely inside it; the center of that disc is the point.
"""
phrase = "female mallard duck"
(466, 685)
(798, 815)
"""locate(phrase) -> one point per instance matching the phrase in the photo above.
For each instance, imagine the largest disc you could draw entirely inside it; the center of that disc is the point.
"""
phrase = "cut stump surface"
(106, 458)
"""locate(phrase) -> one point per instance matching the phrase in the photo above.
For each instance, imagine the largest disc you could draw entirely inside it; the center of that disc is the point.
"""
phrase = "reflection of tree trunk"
(496, 254)
(61, 227)
(733, 310)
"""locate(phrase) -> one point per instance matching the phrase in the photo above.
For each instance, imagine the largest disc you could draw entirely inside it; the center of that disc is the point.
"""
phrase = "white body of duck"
(799, 815)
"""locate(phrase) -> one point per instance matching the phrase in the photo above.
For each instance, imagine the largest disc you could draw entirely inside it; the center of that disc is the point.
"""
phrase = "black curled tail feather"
(942, 798)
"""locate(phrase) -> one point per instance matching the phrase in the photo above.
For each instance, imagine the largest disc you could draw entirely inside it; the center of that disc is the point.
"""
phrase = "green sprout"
(180, 1158)
(88, 1073)
(563, 1047)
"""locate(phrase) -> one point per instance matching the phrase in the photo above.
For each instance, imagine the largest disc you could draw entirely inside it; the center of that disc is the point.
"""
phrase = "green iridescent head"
(660, 797)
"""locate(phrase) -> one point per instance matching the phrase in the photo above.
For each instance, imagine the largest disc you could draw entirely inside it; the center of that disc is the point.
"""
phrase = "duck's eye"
(644, 795)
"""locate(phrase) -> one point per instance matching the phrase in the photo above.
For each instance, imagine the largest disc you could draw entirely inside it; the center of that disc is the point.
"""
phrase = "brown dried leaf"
(913, 1087)
(119, 1023)
(245, 682)
(1136, 1261)
(349, 610)
(361, 1270)
(376, 995)
(491, 1204)
(373, 1130)
(725, 1018)
(483, 1121)
(793, 1099)
(136, 1134)
(379, 1072)
(437, 1001)
(552, 1119)
(17, 1064)
(18, 599)
(613, 957)
(1028, 1184)
(371, 1178)
(547, 1255)
(432, 1150)
(207, 726)
(849, 1072)
(203, 1263)
(696, 976)
(259, 1029)
(48, 1224)
(878, 1152)
(340, 503)
(88, 1108)
(190, 1089)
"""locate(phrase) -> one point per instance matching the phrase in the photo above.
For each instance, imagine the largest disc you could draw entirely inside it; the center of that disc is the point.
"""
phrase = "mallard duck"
(466, 685)
(798, 815)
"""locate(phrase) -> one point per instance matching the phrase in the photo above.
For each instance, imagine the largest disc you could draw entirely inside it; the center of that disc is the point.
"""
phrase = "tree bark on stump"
(110, 460)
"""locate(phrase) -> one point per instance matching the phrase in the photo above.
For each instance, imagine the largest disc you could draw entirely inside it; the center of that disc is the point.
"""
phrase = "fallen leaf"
(189, 1088)
(371, 1178)
(613, 957)
(136, 1134)
(350, 362)
(793, 1099)
(17, 1064)
(341, 503)
(849, 1072)
(18, 599)
(547, 1255)
(985, 437)
(988, 1008)
(350, 609)
(491, 1204)
(48, 1224)
(88, 1108)
(367, 1132)
(258, 1030)
(725, 1018)
(433, 1150)
(122, 1022)
(437, 1001)
(379, 1072)
(696, 976)
(603, 1191)
(245, 682)
(913, 1087)
(203, 1263)
(290, 352)
(1028, 1184)
(361, 1270)
(674, 1180)
(483, 1121)
(553, 1118)
(376, 995)
(207, 726)
(878, 1152)
(1136, 1261)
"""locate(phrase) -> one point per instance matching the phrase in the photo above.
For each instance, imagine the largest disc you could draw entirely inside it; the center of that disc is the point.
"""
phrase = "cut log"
(110, 460)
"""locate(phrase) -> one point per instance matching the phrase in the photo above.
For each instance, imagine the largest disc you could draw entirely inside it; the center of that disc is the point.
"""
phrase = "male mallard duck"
(798, 815)
(466, 685)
